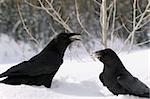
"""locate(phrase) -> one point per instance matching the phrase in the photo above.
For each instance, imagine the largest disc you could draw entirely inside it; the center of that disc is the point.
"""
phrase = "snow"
(12, 52)
(77, 77)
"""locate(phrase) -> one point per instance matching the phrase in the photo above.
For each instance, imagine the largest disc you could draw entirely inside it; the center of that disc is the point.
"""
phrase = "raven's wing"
(38, 66)
(133, 85)
(28, 68)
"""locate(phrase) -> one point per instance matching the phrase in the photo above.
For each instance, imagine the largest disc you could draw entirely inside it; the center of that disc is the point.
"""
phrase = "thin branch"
(134, 22)
(78, 18)
(147, 16)
(109, 16)
(97, 2)
(138, 6)
(59, 9)
(59, 17)
(32, 5)
(110, 6)
(126, 28)
(48, 12)
(67, 19)
(130, 21)
(52, 1)
(25, 27)
(138, 16)
(142, 43)
(96, 12)
(55, 15)
(80, 23)
(16, 26)
(119, 27)
(138, 24)
(134, 13)
(144, 24)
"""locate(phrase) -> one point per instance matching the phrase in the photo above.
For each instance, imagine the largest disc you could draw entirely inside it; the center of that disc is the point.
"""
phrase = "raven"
(40, 69)
(116, 77)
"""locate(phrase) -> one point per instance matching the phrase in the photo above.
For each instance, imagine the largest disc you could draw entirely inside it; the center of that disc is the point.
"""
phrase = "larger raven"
(117, 79)
(40, 69)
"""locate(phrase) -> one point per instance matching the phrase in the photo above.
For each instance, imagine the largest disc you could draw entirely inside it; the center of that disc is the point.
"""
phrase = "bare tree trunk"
(103, 21)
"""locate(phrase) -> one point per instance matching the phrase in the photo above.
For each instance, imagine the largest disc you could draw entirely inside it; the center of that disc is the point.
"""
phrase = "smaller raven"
(116, 78)
(40, 69)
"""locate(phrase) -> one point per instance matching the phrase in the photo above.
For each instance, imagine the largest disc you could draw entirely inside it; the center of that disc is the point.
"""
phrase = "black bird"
(116, 77)
(40, 69)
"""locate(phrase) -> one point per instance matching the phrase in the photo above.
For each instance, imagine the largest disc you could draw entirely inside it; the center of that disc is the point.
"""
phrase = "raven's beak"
(97, 54)
(75, 36)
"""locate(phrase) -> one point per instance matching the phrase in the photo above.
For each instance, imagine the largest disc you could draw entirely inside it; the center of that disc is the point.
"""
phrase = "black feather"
(40, 69)
(117, 79)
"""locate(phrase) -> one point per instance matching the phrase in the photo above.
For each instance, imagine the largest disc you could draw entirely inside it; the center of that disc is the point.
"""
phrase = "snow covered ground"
(76, 79)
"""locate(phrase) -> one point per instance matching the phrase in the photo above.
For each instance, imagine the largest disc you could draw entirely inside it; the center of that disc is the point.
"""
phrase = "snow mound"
(77, 78)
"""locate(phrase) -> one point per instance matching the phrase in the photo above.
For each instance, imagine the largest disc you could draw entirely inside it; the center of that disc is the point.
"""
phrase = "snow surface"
(77, 78)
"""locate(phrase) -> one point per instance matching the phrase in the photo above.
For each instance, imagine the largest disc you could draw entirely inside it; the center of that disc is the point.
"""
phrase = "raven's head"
(68, 37)
(107, 57)
(61, 42)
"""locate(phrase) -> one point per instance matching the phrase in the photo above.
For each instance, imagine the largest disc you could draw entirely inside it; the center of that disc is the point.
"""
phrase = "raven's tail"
(149, 93)
(11, 81)
(28, 80)
(146, 95)
(3, 75)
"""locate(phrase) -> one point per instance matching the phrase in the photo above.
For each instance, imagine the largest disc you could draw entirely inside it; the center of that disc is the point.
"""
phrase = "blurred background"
(26, 26)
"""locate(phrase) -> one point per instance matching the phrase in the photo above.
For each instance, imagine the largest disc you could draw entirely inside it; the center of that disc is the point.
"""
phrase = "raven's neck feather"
(56, 47)
(116, 67)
